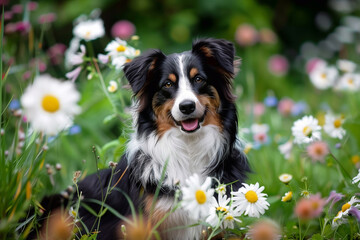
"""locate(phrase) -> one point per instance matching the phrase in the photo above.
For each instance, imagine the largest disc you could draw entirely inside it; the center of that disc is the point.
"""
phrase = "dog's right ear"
(141, 70)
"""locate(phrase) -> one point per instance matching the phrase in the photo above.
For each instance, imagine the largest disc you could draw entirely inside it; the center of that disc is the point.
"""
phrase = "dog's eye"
(198, 79)
(168, 84)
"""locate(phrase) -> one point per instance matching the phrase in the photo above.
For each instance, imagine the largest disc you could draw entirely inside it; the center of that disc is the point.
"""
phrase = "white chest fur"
(186, 153)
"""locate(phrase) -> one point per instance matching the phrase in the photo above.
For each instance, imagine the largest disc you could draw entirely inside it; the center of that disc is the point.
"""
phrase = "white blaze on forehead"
(185, 91)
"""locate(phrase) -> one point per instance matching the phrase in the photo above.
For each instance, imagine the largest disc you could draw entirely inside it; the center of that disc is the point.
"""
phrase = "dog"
(185, 118)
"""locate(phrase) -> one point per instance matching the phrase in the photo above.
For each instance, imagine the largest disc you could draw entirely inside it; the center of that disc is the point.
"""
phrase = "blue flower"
(270, 101)
(14, 104)
(75, 129)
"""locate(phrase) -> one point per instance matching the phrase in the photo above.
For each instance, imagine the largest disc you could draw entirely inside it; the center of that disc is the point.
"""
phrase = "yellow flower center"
(251, 196)
(345, 207)
(287, 197)
(350, 81)
(121, 48)
(112, 88)
(50, 103)
(222, 209)
(337, 123)
(323, 76)
(87, 34)
(200, 196)
(355, 159)
(137, 52)
(307, 131)
(229, 218)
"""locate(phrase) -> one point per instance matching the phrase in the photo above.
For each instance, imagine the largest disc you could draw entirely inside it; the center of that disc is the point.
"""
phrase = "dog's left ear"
(219, 53)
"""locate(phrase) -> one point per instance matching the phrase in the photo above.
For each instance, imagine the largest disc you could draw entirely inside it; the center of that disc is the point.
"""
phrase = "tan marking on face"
(212, 104)
(193, 72)
(164, 122)
(172, 77)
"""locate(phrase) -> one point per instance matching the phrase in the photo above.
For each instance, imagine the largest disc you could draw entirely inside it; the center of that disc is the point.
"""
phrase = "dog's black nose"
(187, 106)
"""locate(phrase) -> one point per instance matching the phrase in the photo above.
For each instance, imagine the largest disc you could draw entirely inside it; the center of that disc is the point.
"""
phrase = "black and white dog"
(184, 115)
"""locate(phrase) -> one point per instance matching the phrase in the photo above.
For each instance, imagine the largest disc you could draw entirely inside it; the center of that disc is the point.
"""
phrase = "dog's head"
(186, 90)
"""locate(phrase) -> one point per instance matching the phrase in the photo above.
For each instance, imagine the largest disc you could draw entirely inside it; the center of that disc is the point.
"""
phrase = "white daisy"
(286, 148)
(221, 189)
(306, 130)
(119, 61)
(218, 208)
(259, 128)
(89, 29)
(50, 105)
(356, 179)
(197, 196)
(285, 178)
(346, 207)
(120, 47)
(230, 218)
(113, 86)
(346, 65)
(338, 219)
(323, 77)
(349, 82)
(251, 200)
(333, 126)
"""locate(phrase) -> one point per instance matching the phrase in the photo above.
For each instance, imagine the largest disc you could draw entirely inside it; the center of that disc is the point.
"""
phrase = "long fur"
(161, 84)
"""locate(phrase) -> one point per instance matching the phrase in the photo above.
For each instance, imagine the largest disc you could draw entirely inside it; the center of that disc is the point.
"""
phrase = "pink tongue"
(190, 125)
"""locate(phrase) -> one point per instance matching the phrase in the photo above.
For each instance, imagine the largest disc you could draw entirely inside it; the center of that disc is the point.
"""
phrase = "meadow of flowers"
(65, 114)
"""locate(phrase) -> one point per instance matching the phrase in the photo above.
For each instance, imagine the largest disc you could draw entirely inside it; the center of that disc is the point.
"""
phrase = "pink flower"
(313, 63)
(74, 74)
(311, 208)
(259, 109)
(246, 35)
(37, 63)
(32, 6)
(8, 15)
(278, 65)
(267, 36)
(26, 75)
(10, 28)
(47, 18)
(17, 8)
(56, 53)
(317, 151)
(261, 138)
(123, 29)
(23, 27)
(285, 106)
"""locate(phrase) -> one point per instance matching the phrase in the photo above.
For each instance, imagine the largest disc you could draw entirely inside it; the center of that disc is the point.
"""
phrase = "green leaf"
(317, 237)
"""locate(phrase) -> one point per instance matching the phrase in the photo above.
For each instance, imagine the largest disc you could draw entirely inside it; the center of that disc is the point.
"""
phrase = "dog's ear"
(141, 70)
(219, 53)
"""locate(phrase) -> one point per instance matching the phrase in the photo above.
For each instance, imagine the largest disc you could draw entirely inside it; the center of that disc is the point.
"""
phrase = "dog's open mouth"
(190, 125)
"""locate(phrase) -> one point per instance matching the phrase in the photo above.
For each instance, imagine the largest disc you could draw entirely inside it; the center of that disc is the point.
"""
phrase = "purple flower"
(123, 29)
(270, 101)
(104, 59)
(355, 212)
(74, 74)
(299, 108)
(26, 75)
(334, 197)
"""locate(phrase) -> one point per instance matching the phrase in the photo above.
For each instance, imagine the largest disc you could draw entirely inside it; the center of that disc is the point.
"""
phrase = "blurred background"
(275, 40)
